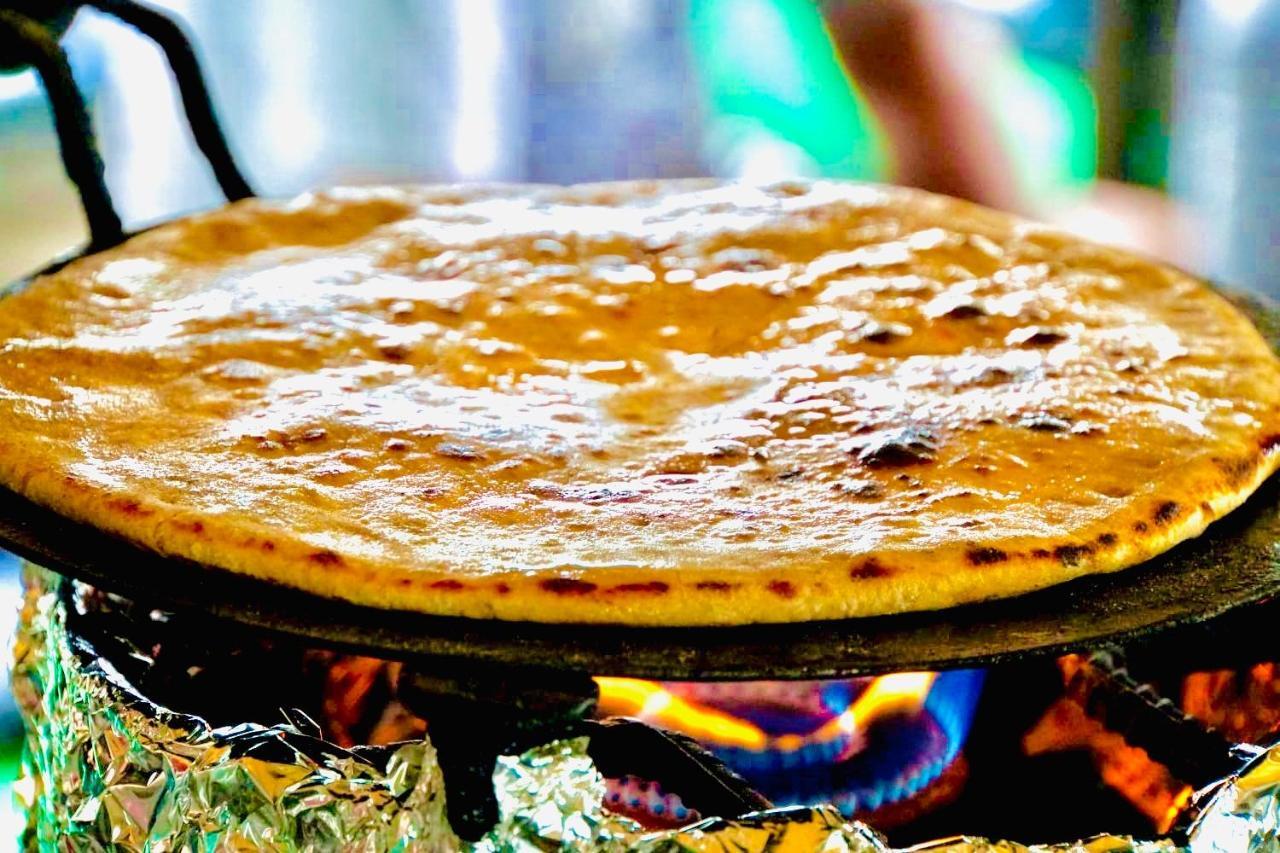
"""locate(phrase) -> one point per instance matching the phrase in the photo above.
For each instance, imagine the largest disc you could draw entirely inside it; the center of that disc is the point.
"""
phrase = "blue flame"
(901, 757)
(951, 703)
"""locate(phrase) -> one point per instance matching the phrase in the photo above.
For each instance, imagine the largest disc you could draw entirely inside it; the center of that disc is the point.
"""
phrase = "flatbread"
(652, 403)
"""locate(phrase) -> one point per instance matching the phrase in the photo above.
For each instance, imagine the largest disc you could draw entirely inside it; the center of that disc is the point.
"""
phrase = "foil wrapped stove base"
(106, 769)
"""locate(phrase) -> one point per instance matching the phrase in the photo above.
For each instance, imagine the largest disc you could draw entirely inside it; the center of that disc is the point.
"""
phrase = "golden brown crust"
(676, 403)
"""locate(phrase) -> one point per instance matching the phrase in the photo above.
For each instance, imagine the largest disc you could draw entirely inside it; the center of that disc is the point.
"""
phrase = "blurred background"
(1137, 121)
(1149, 123)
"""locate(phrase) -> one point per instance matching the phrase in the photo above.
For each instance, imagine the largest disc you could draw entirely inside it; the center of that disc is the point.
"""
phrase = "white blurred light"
(1236, 11)
(999, 7)
(146, 114)
(15, 86)
(762, 158)
(1096, 223)
(478, 48)
(750, 40)
(289, 131)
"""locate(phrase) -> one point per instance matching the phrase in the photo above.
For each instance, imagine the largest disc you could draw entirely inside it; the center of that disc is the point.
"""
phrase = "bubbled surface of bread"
(651, 404)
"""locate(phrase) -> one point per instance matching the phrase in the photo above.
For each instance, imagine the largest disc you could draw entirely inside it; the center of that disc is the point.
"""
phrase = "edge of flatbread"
(810, 588)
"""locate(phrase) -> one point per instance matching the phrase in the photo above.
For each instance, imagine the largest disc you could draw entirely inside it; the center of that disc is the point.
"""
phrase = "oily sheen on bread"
(650, 403)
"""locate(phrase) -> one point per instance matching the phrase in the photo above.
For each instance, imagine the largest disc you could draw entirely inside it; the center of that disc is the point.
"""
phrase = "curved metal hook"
(203, 121)
(25, 40)
(33, 44)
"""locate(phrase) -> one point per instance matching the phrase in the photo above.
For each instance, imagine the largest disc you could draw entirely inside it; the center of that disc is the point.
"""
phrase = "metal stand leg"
(472, 720)
(27, 41)
(25, 38)
(168, 35)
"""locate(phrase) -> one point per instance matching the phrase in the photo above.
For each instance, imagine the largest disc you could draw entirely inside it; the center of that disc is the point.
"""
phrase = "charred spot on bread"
(782, 589)
(1071, 555)
(1044, 422)
(642, 587)
(985, 555)
(324, 557)
(1238, 469)
(897, 447)
(568, 586)
(1035, 336)
(448, 584)
(1166, 512)
(868, 569)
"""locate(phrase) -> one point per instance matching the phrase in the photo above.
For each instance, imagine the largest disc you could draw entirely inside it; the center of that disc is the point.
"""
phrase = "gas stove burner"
(863, 744)
(647, 802)
(918, 755)
(1229, 570)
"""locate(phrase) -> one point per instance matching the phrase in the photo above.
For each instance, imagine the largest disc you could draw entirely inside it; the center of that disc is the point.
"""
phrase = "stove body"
(144, 728)
(147, 729)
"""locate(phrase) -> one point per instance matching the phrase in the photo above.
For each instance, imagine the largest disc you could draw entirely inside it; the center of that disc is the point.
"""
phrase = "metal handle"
(35, 43)
(32, 43)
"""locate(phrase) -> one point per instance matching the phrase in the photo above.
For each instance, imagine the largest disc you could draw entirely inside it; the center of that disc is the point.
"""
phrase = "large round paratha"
(680, 403)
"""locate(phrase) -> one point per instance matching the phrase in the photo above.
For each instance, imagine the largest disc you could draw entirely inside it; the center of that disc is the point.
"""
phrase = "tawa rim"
(1233, 568)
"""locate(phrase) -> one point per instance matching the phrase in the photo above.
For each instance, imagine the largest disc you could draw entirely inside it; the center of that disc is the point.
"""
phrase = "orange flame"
(1127, 769)
(901, 692)
(649, 700)
(1244, 706)
(1148, 785)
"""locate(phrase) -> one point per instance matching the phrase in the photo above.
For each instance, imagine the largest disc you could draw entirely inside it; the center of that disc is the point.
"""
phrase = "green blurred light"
(12, 819)
(768, 67)
(1048, 123)
(770, 62)
(1147, 156)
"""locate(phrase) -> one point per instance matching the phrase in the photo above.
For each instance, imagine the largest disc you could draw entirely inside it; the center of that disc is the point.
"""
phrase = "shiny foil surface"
(106, 769)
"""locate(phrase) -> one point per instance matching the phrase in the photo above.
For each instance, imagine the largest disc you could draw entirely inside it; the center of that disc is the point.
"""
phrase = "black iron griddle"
(1230, 571)
(1221, 581)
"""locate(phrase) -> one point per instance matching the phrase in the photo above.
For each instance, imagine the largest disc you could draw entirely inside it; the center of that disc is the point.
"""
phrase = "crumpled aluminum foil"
(105, 769)
(1243, 812)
